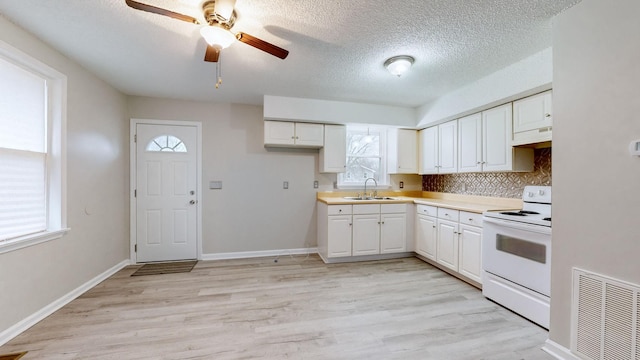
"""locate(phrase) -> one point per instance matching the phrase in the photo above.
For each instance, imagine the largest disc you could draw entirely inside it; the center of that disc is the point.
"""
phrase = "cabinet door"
(532, 113)
(448, 140)
(497, 133)
(333, 156)
(447, 250)
(426, 236)
(339, 236)
(428, 150)
(366, 234)
(393, 234)
(470, 143)
(470, 252)
(311, 135)
(402, 151)
(279, 133)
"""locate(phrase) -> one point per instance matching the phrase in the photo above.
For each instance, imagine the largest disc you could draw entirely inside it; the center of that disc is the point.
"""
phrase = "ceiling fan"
(220, 17)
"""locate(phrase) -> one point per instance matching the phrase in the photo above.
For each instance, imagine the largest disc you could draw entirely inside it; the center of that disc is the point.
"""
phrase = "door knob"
(192, 202)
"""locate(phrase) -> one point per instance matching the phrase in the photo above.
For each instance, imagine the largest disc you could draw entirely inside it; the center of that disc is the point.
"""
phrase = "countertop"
(470, 203)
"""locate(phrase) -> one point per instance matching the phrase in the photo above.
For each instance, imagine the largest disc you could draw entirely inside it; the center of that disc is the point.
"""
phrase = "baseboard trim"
(558, 351)
(255, 254)
(17, 329)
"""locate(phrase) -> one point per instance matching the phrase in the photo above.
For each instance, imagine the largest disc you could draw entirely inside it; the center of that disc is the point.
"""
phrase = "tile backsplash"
(498, 184)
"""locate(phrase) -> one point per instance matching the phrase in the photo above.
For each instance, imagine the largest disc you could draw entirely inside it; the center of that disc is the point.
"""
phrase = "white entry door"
(166, 199)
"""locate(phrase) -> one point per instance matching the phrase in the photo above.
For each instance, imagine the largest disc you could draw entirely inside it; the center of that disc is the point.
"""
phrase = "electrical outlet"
(401, 184)
(285, 185)
(315, 184)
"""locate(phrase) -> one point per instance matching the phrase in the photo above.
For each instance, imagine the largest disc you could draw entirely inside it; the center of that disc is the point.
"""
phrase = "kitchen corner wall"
(498, 184)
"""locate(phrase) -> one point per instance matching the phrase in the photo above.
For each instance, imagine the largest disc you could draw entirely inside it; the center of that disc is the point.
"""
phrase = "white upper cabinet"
(496, 147)
(439, 149)
(290, 134)
(470, 143)
(402, 151)
(497, 152)
(333, 156)
(484, 143)
(448, 139)
(532, 119)
(428, 150)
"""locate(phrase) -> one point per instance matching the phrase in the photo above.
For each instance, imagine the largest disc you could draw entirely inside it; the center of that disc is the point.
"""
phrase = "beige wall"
(596, 198)
(251, 212)
(97, 177)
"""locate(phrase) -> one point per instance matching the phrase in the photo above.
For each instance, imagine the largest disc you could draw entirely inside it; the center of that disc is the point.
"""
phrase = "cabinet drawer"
(448, 214)
(469, 218)
(393, 208)
(366, 209)
(339, 210)
(427, 210)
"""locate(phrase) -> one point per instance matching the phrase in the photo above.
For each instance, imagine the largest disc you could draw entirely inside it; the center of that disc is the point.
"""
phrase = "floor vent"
(605, 318)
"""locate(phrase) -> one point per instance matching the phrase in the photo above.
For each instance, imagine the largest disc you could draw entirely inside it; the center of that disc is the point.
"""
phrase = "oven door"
(518, 252)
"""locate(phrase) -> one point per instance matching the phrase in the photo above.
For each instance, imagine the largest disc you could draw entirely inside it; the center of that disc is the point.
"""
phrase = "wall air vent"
(604, 317)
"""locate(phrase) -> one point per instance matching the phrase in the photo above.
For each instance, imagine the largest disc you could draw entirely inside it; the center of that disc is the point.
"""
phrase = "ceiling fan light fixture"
(216, 35)
(224, 8)
(399, 65)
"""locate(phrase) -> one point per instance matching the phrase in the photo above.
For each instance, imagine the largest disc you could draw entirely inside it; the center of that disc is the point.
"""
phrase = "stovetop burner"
(536, 208)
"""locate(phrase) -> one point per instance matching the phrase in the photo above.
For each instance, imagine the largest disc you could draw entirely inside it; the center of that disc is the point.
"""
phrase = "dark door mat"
(12, 356)
(165, 268)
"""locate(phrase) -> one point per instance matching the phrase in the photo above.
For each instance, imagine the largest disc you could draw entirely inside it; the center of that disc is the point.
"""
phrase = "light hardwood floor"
(297, 308)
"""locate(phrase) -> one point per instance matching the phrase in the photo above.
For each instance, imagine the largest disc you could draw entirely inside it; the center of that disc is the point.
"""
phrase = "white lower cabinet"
(339, 231)
(470, 263)
(366, 234)
(361, 229)
(447, 249)
(450, 239)
(393, 233)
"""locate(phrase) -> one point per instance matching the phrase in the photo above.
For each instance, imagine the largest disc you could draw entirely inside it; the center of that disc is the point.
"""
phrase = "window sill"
(29, 240)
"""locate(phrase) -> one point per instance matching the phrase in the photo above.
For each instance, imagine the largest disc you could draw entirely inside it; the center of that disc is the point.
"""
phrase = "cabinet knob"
(470, 219)
(339, 210)
(547, 115)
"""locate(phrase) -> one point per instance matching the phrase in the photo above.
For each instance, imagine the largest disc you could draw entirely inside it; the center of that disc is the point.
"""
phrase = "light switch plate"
(285, 185)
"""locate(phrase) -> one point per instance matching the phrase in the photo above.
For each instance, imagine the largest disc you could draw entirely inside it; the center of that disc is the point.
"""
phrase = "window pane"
(166, 143)
(363, 144)
(22, 194)
(22, 109)
(361, 168)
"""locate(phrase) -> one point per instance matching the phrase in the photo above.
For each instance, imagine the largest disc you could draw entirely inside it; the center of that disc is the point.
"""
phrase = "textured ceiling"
(337, 47)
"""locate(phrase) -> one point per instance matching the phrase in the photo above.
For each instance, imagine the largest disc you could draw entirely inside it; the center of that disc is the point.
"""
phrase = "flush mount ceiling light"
(398, 65)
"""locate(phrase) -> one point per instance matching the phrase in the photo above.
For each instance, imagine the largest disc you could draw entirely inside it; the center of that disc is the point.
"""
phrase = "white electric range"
(516, 256)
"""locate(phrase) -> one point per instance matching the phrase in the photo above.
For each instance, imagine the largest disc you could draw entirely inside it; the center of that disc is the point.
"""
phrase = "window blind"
(23, 152)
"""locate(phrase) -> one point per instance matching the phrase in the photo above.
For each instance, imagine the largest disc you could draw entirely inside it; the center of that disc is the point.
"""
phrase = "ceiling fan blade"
(160, 11)
(262, 45)
(212, 54)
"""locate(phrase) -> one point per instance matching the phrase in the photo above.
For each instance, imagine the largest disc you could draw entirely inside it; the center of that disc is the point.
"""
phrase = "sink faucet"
(365, 185)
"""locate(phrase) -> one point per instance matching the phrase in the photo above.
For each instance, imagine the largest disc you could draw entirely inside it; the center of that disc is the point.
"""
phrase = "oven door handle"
(517, 225)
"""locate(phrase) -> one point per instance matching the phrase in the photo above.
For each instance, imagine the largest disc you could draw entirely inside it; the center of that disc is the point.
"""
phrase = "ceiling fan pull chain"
(219, 73)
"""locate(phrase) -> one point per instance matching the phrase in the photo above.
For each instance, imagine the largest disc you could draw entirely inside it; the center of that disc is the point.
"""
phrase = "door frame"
(133, 177)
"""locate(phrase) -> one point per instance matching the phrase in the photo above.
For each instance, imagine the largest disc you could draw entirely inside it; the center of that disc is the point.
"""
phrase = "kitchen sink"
(368, 198)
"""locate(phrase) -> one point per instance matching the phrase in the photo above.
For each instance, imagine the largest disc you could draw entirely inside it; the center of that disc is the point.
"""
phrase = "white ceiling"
(337, 47)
